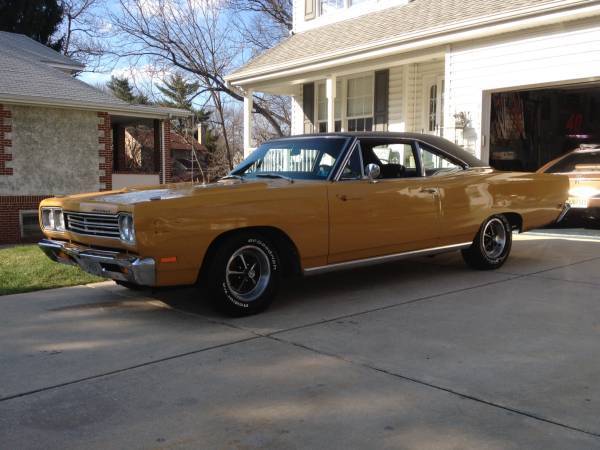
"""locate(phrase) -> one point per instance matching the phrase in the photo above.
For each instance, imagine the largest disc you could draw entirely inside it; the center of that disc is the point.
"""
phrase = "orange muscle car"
(302, 205)
(582, 166)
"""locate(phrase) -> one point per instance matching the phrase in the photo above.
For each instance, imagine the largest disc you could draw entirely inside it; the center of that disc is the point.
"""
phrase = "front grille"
(92, 224)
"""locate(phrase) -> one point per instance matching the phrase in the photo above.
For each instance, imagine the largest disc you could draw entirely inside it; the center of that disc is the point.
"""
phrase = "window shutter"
(308, 107)
(382, 92)
(309, 9)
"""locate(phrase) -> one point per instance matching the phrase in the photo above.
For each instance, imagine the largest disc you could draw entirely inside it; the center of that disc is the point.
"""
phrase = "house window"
(322, 107)
(331, 5)
(433, 108)
(357, 2)
(30, 226)
(360, 103)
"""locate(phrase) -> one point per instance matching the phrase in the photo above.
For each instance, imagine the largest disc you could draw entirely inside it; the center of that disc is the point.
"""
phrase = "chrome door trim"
(383, 259)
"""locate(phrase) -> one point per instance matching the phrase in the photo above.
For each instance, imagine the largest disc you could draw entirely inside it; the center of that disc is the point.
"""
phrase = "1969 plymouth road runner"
(302, 205)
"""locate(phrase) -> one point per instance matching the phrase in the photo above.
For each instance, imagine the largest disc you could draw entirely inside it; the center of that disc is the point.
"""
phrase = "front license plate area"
(578, 202)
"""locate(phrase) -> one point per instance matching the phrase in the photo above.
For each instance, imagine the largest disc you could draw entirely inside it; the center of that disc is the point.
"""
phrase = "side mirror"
(373, 171)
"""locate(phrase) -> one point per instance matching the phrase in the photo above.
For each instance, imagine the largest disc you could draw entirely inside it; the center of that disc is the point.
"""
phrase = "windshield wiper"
(274, 175)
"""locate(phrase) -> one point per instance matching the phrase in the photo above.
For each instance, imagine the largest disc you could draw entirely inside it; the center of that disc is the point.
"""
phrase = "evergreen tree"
(178, 92)
(38, 19)
(121, 88)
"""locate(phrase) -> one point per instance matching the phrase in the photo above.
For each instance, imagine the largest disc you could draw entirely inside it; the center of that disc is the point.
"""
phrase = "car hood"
(124, 199)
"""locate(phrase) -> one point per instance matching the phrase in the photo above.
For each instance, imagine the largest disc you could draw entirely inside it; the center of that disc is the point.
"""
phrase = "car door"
(464, 196)
(396, 213)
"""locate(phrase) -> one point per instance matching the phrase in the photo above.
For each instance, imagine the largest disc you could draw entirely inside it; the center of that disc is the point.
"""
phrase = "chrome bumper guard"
(103, 263)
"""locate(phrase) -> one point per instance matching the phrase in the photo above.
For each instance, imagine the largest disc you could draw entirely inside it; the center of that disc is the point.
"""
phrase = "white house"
(516, 82)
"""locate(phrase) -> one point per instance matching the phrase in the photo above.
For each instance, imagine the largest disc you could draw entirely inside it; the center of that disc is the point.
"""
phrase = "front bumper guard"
(102, 263)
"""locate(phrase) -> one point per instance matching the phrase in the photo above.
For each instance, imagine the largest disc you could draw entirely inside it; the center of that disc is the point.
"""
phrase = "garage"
(530, 127)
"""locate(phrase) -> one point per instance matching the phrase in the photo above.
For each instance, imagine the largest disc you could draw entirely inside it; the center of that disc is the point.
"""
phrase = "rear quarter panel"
(469, 197)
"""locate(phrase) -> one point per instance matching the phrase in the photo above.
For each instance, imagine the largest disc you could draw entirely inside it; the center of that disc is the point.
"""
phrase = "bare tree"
(265, 23)
(194, 36)
(83, 32)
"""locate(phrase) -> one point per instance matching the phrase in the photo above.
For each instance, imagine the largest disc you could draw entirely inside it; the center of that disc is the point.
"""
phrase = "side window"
(396, 160)
(436, 164)
(353, 168)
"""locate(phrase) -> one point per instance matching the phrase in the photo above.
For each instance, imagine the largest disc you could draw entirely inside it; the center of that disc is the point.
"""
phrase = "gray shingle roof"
(395, 23)
(26, 46)
(26, 74)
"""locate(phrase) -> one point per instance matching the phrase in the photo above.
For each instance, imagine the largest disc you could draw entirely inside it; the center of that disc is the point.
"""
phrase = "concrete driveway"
(422, 354)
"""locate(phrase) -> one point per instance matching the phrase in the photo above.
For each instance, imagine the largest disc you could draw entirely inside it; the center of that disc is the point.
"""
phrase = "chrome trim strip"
(383, 259)
(340, 169)
(565, 209)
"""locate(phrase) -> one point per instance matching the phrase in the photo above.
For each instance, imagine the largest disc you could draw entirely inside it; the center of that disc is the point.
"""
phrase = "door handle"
(433, 191)
(345, 198)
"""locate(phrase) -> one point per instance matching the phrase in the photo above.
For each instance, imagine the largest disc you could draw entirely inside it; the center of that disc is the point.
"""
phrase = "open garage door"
(528, 128)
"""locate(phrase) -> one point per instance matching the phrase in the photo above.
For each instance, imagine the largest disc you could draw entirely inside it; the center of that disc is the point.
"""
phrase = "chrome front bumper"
(103, 263)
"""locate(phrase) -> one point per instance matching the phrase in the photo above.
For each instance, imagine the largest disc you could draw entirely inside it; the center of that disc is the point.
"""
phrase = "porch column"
(248, 123)
(330, 88)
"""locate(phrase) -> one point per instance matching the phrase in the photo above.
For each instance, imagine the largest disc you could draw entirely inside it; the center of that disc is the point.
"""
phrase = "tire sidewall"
(225, 299)
(498, 261)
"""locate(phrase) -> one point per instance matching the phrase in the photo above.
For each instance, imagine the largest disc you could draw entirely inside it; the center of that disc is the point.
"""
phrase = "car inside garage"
(528, 128)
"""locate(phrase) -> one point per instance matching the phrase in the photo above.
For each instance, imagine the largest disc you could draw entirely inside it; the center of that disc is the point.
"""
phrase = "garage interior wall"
(529, 128)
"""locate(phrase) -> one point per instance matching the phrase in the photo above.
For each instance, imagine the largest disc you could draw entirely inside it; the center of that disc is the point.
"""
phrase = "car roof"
(436, 142)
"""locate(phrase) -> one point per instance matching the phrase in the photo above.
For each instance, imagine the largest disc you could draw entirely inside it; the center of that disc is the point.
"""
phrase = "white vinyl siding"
(552, 55)
(396, 120)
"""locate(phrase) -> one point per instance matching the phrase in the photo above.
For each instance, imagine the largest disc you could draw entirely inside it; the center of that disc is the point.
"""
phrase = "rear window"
(577, 162)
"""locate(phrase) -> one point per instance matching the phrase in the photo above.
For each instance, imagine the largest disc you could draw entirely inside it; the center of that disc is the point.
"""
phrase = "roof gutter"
(548, 14)
(124, 110)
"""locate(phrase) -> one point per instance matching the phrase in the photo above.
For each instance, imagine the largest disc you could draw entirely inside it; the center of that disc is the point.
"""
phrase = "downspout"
(163, 150)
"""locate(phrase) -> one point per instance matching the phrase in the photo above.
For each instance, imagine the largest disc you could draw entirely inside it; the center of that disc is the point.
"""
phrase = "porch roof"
(415, 21)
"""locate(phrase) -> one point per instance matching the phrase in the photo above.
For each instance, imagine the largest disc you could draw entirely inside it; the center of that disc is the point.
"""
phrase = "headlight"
(53, 219)
(126, 228)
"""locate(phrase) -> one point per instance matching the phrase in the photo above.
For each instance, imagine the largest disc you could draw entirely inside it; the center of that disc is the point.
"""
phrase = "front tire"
(244, 275)
(491, 246)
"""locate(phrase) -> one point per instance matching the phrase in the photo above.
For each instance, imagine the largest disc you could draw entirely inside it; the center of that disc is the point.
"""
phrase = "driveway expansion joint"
(492, 404)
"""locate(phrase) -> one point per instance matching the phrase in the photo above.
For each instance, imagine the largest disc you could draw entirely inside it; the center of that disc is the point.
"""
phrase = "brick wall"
(10, 229)
(166, 147)
(105, 151)
(5, 140)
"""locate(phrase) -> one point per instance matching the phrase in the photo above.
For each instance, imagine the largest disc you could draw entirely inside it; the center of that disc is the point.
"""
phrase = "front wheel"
(491, 246)
(244, 275)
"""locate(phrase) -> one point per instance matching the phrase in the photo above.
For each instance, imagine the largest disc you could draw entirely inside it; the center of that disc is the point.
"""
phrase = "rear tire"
(491, 246)
(244, 275)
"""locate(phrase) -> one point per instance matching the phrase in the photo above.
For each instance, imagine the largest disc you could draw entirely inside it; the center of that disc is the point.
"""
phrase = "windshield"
(300, 159)
(577, 162)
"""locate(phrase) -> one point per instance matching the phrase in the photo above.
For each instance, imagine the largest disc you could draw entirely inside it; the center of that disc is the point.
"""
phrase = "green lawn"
(25, 268)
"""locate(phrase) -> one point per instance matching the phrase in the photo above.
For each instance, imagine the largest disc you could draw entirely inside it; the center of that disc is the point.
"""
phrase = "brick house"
(57, 135)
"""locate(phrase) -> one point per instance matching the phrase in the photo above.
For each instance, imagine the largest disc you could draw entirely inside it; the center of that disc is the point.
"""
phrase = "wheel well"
(515, 220)
(288, 252)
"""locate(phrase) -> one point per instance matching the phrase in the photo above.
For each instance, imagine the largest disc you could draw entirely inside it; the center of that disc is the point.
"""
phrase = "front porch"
(401, 94)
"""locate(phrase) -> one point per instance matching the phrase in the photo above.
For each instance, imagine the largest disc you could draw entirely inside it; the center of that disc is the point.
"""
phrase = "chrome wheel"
(248, 273)
(494, 238)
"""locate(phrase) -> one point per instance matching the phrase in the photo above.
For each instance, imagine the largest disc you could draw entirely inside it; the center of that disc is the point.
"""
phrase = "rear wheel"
(491, 246)
(244, 275)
